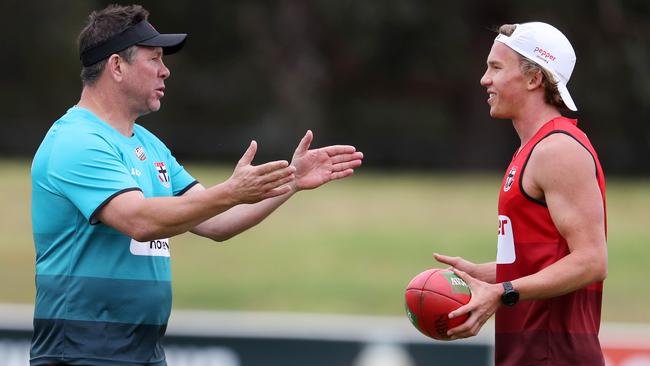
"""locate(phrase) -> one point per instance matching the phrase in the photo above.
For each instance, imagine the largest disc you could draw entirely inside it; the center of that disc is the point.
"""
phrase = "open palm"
(319, 166)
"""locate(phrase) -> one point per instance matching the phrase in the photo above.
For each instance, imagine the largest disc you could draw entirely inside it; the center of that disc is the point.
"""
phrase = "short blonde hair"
(529, 67)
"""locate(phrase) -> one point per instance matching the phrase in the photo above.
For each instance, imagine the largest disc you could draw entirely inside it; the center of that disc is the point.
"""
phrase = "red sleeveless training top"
(558, 331)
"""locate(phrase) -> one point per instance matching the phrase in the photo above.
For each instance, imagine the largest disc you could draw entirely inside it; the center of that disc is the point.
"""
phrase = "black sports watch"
(510, 296)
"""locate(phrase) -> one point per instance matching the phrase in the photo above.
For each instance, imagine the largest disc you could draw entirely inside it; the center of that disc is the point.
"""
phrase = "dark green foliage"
(398, 79)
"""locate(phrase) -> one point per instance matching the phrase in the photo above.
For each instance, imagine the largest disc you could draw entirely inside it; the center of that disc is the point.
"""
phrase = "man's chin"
(150, 108)
(497, 115)
(154, 106)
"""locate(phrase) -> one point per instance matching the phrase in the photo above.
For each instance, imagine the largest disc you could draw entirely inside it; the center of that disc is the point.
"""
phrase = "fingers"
(278, 177)
(452, 261)
(482, 305)
(464, 276)
(341, 175)
(470, 328)
(463, 332)
(248, 156)
(278, 183)
(443, 258)
(469, 307)
(304, 144)
(460, 311)
(254, 183)
(346, 169)
(346, 165)
(339, 149)
(343, 165)
(457, 332)
(272, 166)
(343, 158)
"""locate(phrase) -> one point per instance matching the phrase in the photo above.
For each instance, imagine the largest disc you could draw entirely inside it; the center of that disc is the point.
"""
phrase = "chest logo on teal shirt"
(139, 152)
(163, 176)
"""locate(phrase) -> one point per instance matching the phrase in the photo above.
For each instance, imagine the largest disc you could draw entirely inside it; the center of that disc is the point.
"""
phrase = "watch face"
(510, 295)
(510, 298)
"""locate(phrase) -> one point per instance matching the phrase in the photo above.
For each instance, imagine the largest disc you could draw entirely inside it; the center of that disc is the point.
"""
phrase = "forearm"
(239, 218)
(165, 217)
(571, 273)
(161, 217)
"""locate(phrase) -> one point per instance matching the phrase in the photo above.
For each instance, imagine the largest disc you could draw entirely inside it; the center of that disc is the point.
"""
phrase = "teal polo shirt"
(102, 298)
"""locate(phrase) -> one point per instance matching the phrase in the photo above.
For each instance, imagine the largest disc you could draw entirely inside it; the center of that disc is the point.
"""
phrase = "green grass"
(349, 247)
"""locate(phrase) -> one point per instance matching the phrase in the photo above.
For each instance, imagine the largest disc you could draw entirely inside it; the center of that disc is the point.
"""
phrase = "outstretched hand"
(318, 166)
(250, 184)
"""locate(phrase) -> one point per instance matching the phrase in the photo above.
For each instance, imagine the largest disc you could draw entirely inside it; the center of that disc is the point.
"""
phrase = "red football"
(431, 296)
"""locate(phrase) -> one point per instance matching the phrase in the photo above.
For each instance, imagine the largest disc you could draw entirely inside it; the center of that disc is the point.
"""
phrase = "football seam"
(422, 301)
(438, 293)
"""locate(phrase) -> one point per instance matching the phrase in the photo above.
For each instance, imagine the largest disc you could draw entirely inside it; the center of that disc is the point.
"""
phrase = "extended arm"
(226, 224)
(313, 168)
(161, 217)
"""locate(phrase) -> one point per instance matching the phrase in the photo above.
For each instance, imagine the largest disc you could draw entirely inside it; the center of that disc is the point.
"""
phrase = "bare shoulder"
(558, 161)
(561, 153)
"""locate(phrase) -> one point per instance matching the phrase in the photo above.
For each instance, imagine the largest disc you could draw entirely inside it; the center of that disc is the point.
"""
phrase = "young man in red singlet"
(546, 283)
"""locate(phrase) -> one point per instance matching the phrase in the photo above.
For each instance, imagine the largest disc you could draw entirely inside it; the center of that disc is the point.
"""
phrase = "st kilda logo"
(510, 179)
(139, 152)
(163, 175)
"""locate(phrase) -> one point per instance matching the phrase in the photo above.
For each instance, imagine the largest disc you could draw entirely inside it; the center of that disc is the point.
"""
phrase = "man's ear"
(115, 67)
(535, 80)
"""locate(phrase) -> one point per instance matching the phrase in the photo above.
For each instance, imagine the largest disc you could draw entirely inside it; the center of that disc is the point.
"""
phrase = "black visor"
(142, 34)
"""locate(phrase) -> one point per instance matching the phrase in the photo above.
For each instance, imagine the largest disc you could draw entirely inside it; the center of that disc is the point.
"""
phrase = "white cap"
(549, 48)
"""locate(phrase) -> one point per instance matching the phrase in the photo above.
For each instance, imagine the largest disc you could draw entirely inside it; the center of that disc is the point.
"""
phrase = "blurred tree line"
(397, 79)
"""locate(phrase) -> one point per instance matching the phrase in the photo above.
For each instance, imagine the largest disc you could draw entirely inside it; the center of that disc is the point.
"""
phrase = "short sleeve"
(89, 172)
(182, 181)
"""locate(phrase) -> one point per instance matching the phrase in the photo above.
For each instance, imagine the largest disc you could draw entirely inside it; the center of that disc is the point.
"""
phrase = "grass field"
(350, 247)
